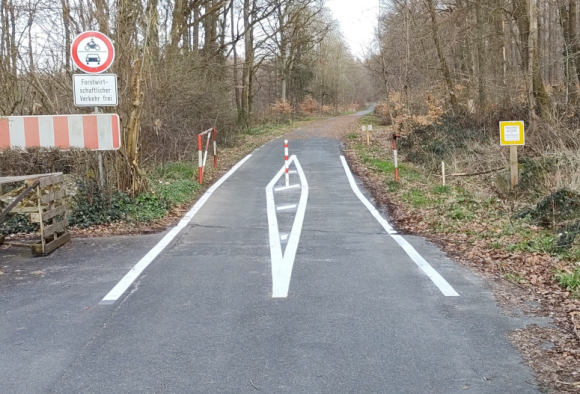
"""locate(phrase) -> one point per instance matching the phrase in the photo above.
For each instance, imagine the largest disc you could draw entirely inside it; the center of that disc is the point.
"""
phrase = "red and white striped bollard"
(214, 147)
(396, 157)
(200, 154)
(286, 163)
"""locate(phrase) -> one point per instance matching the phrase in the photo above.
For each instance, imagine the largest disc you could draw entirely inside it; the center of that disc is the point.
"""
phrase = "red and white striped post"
(396, 158)
(214, 147)
(286, 163)
(211, 133)
(200, 155)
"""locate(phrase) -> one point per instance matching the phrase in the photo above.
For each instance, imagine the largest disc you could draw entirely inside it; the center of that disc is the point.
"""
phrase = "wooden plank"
(18, 199)
(19, 244)
(54, 228)
(51, 180)
(12, 179)
(25, 210)
(50, 197)
(35, 217)
(37, 249)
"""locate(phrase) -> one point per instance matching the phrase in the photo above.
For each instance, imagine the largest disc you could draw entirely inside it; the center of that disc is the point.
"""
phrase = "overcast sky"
(358, 19)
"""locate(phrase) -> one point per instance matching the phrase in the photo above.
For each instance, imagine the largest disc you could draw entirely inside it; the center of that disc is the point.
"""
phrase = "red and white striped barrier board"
(94, 132)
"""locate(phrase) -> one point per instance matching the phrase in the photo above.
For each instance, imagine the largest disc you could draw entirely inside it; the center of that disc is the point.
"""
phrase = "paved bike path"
(360, 316)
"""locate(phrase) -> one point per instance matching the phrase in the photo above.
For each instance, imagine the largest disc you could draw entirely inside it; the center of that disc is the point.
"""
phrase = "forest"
(482, 61)
(182, 66)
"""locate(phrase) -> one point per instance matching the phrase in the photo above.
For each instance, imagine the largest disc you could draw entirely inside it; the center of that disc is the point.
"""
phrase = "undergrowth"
(171, 184)
(470, 206)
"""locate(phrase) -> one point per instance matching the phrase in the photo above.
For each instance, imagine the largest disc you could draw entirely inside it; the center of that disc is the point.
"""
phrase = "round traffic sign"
(92, 52)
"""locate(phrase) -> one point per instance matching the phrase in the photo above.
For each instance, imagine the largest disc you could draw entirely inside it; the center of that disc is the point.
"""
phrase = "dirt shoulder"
(476, 229)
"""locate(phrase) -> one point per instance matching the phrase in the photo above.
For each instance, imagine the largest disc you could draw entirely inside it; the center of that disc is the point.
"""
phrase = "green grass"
(440, 189)
(369, 119)
(416, 198)
(570, 282)
(459, 213)
(175, 170)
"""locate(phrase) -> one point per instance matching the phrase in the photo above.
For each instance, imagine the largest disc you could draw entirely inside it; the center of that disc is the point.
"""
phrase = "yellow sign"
(512, 133)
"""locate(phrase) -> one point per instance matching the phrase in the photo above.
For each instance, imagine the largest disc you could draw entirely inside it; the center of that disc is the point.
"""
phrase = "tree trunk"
(153, 17)
(538, 96)
(130, 66)
(178, 23)
(235, 54)
(480, 57)
(247, 71)
(574, 37)
(442, 60)
(569, 64)
(67, 33)
(195, 43)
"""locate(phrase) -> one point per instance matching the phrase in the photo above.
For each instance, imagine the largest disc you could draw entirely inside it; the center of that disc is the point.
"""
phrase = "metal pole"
(101, 170)
(100, 160)
(443, 171)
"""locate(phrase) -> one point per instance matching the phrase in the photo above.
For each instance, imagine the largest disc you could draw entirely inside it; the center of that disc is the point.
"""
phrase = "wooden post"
(443, 172)
(514, 170)
(364, 128)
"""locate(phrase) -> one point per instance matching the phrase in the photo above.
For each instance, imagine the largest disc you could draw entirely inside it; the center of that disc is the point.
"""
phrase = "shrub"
(282, 108)
(309, 105)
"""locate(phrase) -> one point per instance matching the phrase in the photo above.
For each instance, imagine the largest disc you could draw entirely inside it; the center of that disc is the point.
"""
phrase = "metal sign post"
(93, 52)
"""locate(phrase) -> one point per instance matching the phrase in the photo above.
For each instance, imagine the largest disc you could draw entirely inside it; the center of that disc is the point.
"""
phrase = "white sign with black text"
(95, 90)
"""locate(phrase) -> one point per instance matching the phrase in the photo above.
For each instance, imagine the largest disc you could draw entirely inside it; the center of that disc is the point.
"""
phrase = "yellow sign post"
(512, 134)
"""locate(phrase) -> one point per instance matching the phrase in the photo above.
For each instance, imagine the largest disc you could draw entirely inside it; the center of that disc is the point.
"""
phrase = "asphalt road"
(360, 316)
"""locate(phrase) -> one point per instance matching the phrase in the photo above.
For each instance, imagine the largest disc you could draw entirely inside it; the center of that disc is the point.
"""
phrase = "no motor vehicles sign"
(92, 52)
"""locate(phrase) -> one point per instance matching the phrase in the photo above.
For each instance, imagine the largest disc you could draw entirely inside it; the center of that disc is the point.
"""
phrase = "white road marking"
(283, 237)
(437, 279)
(282, 263)
(286, 207)
(130, 277)
(281, 189)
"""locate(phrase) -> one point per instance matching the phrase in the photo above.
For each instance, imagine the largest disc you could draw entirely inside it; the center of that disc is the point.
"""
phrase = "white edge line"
(134, 273)
(437, 279)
